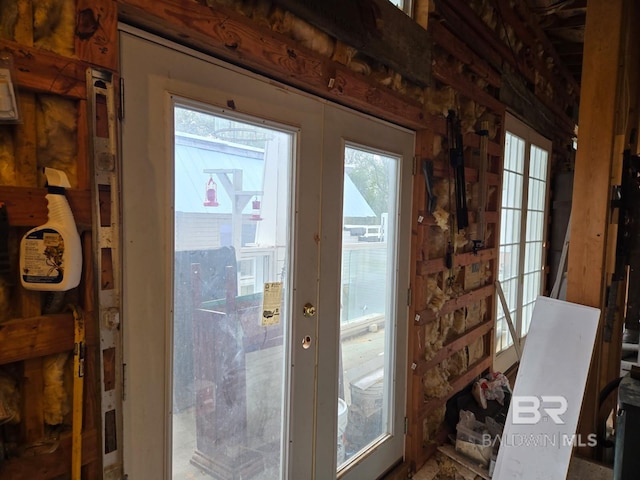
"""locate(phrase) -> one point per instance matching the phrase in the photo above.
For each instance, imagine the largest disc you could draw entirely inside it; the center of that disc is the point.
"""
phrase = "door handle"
(308, 310)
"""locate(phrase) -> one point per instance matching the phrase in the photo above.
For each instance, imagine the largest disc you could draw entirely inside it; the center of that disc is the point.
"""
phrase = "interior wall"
(484, 61)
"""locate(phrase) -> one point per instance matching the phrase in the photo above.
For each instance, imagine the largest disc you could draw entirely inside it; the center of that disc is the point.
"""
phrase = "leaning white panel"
(540, 432)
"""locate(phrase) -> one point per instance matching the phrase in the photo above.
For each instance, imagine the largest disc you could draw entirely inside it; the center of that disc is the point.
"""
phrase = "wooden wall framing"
(30, 335)
(467, 58)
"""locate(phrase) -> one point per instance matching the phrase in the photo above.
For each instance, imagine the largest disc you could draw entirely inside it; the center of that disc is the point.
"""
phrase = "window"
(404, 5)
(522, 232)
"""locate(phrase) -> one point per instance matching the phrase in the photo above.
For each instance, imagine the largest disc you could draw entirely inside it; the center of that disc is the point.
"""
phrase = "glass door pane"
(368, 286)
(231, 267)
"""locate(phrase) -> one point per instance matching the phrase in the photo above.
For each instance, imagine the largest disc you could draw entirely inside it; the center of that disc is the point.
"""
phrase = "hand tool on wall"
(427, 170)
(456, 159)
(78, 388)
(4, 239)
(479, 241)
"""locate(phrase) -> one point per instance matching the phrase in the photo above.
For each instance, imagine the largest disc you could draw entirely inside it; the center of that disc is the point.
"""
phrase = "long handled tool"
(78, 387)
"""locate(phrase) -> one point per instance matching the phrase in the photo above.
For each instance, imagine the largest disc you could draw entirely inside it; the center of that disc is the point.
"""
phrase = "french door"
(265, 275)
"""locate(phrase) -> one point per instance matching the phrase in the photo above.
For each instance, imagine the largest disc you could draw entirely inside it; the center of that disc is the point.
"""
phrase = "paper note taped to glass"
(271, 302)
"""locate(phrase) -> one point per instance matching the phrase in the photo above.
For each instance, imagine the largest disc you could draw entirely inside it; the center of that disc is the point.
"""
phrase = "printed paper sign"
(271, 304)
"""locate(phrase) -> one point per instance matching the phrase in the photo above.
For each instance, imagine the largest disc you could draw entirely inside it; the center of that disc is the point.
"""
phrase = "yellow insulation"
(55, 399)
(7, 157)
(56, 121)
(53, 25)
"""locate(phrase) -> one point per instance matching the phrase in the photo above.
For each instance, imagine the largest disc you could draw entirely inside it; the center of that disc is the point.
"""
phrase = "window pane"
(512, 190)
(231, 244)
(535, 226)
(521, 287)
(367, 300)
(538, 168)
(514, 153)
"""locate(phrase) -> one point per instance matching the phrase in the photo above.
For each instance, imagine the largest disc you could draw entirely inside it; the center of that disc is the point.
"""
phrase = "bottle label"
(43, 257)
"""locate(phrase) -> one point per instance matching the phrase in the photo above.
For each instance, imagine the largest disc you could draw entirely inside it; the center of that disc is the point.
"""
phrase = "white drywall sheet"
(540, 432)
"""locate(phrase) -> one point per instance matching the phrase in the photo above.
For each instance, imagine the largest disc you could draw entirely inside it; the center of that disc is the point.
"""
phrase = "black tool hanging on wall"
(456, 159)
(627, 266)
(4, 239)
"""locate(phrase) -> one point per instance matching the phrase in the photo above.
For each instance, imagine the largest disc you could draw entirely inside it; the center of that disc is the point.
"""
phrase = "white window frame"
(405, 5)
(506, 357)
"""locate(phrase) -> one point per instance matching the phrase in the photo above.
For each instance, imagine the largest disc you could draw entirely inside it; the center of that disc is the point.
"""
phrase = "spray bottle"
(50, 255)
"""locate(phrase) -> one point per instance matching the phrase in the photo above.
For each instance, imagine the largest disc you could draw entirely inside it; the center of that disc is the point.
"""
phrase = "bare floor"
(447, 458)
(361, 355)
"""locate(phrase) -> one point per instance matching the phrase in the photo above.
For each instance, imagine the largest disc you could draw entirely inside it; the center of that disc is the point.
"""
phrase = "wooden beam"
(457, 384)
(415, 389)
(532, 23)
(377, 28)
(26, 145)
(467, 338)
(46, 72)
(592, 179)
(449, 306)
(226, 34)
(27, 207)
(51, 465)
(456, 47)
(96, 33)
(459, 260)
(458, 25)
(448, 74)
(429, 220)
(26, 338)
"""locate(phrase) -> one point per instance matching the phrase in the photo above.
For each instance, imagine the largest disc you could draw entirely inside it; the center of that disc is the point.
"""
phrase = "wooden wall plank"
(459, 260)
(415, 390)
(456, 345)
(363, 94)
(96, 33)
(447, 73)
(456, 303)
(228, 35)
(591, 191)
(25, 338)
(27, 207)
(82, 138)
(456, 47)
(46, 72)
(26, 143)
(457, 384)
(32, 411)
(51, 465)
(377, 28)
(32, 424)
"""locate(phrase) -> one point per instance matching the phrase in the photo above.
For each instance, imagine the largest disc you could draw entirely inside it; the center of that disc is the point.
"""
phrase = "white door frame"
(147, 199)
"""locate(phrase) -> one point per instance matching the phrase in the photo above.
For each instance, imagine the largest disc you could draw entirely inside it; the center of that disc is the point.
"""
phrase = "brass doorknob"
(309, 310)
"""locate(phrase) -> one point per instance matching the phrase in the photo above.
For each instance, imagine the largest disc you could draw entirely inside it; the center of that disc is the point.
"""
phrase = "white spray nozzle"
(56, 178)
